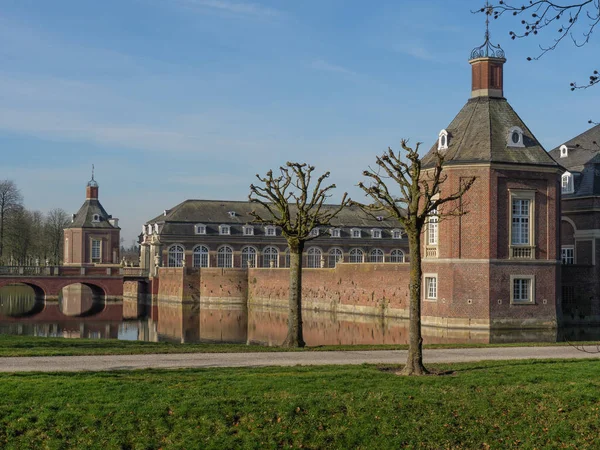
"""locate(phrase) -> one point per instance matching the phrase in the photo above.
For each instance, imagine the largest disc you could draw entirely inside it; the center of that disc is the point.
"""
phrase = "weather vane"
(487, 50)
(92, 172)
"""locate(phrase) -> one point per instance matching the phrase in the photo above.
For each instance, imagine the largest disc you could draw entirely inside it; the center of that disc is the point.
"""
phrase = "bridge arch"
(81, 298)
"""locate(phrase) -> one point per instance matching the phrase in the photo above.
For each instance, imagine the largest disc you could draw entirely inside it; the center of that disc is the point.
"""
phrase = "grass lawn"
(522, 404)
(40, 346)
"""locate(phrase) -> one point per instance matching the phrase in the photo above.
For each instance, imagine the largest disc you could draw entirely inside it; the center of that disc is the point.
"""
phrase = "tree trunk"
(414, 361)
(294, 336)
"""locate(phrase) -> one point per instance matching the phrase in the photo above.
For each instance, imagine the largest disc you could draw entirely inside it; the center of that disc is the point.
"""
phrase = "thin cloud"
(237, 8)
(325, 66)
(415, 50)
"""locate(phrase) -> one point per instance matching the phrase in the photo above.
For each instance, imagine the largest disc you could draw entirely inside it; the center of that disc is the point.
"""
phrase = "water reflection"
(81, 313)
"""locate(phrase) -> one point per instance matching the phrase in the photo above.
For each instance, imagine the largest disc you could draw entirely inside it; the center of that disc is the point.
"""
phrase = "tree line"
(29, 237)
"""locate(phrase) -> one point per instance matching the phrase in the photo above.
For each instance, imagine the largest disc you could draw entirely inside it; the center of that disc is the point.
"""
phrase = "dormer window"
(396, 234)
(355, 233)
(515, 137)
(314, 232)
(376, 233)
(96, 218)
(443, 140)
(200, 228)
(564, 151)
(231, 214)
(248, 230)
(567, 183)
(335, 232)
(270, 230)
(224, 229)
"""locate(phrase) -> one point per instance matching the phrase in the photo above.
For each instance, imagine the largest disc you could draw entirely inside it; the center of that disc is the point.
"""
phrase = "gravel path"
(197, 360)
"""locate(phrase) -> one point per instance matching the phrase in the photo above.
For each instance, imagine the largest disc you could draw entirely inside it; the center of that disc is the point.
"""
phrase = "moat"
(80, 313)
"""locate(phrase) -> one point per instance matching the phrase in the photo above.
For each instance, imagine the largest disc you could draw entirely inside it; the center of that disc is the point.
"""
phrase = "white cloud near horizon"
(325, 66)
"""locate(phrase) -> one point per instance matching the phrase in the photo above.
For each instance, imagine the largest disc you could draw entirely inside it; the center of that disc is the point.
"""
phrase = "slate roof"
(216, 212)
(85, 215)
(479, 134)
(583, 161)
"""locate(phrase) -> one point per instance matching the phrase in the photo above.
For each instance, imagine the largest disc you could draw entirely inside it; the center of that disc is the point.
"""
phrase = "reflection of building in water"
(71, 329)
(76, 299)
(178, 321)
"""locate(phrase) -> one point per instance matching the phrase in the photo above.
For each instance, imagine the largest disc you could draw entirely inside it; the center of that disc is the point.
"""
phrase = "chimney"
(91, 192)
(114, 222)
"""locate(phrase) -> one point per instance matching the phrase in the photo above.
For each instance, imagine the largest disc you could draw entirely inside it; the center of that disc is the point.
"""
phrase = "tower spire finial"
(92, 172)
(487, 49)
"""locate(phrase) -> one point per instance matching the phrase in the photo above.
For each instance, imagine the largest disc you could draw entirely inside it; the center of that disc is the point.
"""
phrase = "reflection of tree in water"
(79, 300)
(19, 301)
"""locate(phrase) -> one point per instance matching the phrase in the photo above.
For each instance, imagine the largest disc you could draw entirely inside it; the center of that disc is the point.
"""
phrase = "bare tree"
(10, 200)
(290, 202)
(56, 221)
(573, 20)
(420, 197)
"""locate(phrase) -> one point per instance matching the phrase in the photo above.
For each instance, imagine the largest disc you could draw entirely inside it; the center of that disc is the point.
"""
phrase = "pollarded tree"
(290, 202)
(575, 20)
(412, 192)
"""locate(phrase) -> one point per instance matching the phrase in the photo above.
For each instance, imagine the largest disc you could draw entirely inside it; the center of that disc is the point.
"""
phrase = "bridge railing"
(134, 272)
(29, 270)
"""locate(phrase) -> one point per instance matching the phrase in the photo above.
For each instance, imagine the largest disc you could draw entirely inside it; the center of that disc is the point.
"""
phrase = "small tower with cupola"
(498, 265)
(93, 236)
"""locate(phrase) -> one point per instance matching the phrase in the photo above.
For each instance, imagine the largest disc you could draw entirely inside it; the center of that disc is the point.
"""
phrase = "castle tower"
(93, 237)
(498, 265)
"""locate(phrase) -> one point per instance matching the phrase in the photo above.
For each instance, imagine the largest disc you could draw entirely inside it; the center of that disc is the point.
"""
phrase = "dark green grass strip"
(524, 404)
(38, 346)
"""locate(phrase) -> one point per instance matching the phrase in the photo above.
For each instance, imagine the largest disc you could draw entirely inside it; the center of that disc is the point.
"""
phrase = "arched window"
(176, 253)
(335, 255)
(270, 254)
(567, 183)
(248, 257)
(376, 255)
(314, 258)
(357, 255)
(200, 256)
(225, 257)
(397, 256)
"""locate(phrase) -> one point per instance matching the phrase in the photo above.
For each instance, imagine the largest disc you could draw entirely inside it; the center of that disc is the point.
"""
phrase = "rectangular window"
(567, 255)
(314, 232)
(96, 250)
(355, 233)
(396, 234)
(270, 231)
(248, 231)
(335, 232)
(432, 229)
(224, 229)
(567, 183)
(522, 289)
(200, 229)
(376, 234)
(520, 221)
(431, 287)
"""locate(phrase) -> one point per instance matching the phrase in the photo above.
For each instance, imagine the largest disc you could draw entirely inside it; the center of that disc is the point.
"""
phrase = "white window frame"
(443, 140)
(248, 230)
(314, 232)
(397, 255)
(175, 257)
(225, 230)
(225, 257)
(355, 233)
(335, 232)
(433, 228)
(431, 286)
(94, 249)
(313, 257)
(199, 228)
(566, 183)
(396, 234)
(509, 138)
(564, 151)
(355, 254)
(518, 300)
(567, 254)
(522, 244)
(200, 256)
(249, 257)
(270, 230)
(376, 255)
(96, 218)
(335, 255)
(269, 254)
(376, 233)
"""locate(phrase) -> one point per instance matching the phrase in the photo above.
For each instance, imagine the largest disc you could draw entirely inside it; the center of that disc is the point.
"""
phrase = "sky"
(180, 99)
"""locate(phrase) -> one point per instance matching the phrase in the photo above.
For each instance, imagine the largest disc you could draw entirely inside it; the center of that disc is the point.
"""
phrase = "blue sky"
(178, 99)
